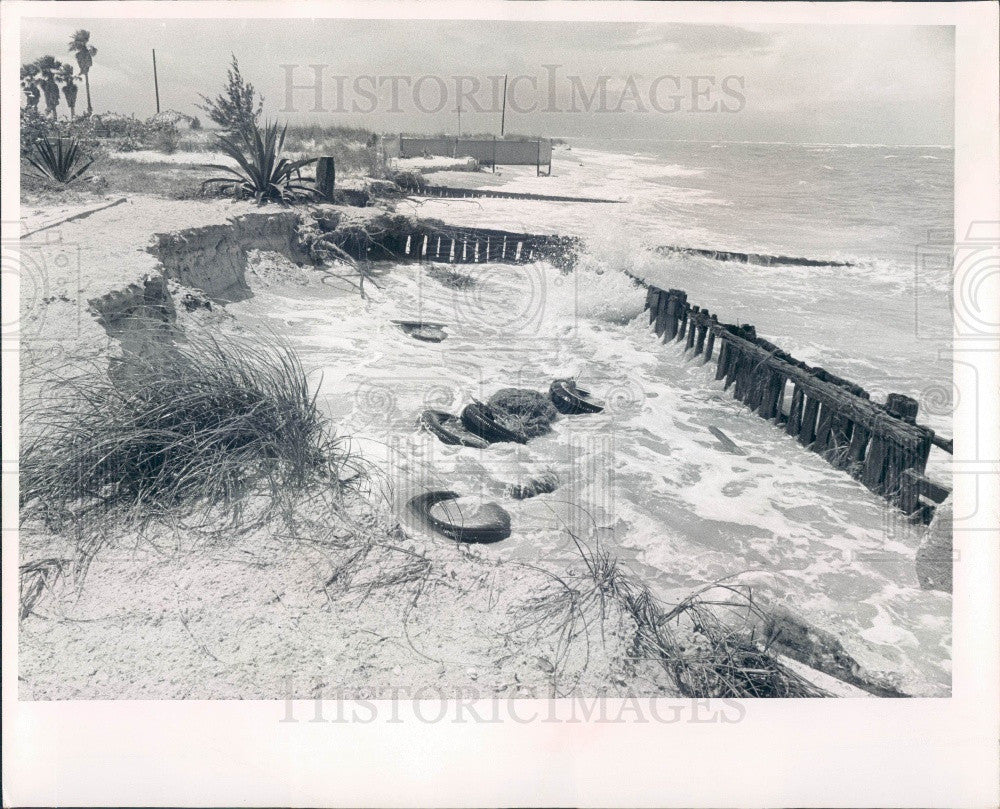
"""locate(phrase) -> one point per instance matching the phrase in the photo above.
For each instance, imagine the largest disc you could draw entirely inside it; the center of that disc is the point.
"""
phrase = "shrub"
(238, 108)
(262, 173)
(36, 127)
(60, 160)
(203, 424)
(525, 412)
(409, 180)
(165, 138)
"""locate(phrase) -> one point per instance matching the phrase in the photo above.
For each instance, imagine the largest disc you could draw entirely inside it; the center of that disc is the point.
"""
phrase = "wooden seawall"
(881, 445)
(456, 245)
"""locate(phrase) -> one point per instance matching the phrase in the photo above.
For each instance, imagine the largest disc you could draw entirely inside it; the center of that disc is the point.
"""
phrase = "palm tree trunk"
(86, 81)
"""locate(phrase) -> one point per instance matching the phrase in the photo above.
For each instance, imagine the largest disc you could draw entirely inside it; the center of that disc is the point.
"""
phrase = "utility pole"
(459, 109)
(156, 83)
(503, 114)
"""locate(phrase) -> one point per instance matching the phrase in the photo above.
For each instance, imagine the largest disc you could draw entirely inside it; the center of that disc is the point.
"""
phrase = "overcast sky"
(833, 84)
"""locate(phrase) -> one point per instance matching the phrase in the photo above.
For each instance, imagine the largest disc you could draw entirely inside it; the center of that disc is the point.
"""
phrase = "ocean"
(646, 478)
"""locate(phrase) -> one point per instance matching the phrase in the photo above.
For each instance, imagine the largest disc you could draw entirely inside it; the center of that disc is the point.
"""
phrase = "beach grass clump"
(177, 431)
(525, 412)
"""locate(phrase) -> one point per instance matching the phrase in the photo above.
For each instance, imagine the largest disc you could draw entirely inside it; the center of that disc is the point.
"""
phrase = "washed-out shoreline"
(148, 614)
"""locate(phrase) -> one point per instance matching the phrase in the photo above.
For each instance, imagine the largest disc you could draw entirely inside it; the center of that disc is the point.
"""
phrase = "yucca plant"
(262, 172)
(59, 159)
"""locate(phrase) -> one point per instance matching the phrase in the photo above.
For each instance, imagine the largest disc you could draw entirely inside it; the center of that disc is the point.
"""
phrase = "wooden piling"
(807, 427)
(794, 423)
(682, 324)
(326, 178)
(691, 327)
(720, 370)
(881, 445)
(699, 343)
(675, 300)
(713, 326)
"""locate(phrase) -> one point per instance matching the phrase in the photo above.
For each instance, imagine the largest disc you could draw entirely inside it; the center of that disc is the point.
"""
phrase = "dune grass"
(190, 428)
(707, 643)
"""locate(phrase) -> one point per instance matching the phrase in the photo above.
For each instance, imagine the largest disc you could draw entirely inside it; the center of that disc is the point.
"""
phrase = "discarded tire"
(571, 400)
(482, 420)
(450, 429)
(488, 524)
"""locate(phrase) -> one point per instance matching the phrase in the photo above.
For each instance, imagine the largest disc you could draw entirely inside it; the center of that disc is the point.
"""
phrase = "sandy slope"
(171, 613)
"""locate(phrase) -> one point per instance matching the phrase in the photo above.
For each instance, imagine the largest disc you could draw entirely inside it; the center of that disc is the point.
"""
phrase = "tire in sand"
(488, 523)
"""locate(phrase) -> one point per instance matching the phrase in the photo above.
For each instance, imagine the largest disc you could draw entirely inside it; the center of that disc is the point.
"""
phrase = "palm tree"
(80, 46)
(69, 88)
(48, 69)
(29, 84)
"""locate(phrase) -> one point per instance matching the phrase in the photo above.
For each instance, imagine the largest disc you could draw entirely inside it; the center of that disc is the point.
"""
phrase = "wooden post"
(675, 299)
(773, 394)
(734, 365)
(720, 370)
(538, 157)
(807, 428)
(494, 154)
(550, 157)
(712, 326)
(503, 113)
(662, 307)
(902, 407)
(699, 345)
(794, 423)
(691, 327)
(156, 83)
(682, 325)
(823, 428)
(874, 469)
(326, 176)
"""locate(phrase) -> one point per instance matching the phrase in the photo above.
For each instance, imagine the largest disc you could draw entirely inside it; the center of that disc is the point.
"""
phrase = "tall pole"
(459, 108)
(156, 83)
(503, 114)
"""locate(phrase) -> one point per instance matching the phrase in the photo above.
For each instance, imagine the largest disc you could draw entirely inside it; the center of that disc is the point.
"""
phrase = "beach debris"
(450, 430)
(785, 632)
(480, 523)
(482, 420)
(727, 443)
(525, 412)
(422, 330)
(572, 400)
(545, 484)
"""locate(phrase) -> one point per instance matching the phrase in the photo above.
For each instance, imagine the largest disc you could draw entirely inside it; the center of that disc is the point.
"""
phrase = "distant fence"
(495, 152)
(488, 193)
(882, 446)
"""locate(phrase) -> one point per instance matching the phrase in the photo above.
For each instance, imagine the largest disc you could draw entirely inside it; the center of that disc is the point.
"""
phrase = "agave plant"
(59, 159)
(262, 172)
